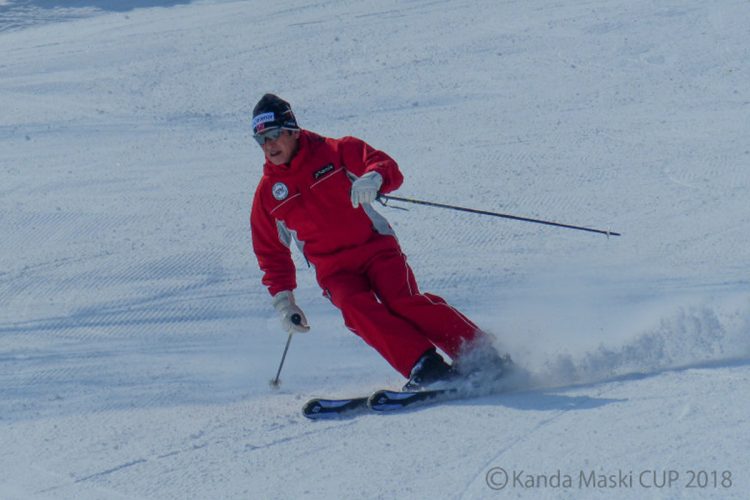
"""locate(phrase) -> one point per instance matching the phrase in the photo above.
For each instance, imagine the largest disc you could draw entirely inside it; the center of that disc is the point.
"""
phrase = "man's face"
(281, 150)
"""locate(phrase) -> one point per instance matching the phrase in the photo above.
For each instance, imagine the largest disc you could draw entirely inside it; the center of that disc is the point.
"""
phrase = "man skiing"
(318, 192)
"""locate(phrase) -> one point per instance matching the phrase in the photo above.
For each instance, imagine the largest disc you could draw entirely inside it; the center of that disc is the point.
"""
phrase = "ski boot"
(428, 371)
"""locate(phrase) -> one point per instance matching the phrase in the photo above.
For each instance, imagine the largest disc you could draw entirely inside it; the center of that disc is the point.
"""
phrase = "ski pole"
(385, 198)
(275, 383)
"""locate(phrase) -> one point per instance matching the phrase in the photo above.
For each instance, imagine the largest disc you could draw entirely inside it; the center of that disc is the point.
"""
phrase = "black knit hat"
(273, 112)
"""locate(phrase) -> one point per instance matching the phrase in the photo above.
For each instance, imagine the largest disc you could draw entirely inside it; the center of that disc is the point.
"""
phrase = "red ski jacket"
(309, 200)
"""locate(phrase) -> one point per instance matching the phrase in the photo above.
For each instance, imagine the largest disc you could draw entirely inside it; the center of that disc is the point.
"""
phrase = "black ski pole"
(275, 383)
(383, 198)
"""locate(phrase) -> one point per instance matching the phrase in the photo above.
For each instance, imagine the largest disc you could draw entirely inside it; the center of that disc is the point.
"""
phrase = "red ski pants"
(378, 296)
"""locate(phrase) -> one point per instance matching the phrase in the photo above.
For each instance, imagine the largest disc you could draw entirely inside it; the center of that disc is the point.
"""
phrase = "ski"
(379, 401)
(318, 408)
(386, 401)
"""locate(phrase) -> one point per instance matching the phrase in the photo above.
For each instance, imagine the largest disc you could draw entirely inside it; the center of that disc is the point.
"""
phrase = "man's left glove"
(365, 189)
(284, 304)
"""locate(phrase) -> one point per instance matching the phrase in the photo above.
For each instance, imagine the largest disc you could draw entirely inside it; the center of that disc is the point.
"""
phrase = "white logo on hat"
(263, 118)
(280, 191)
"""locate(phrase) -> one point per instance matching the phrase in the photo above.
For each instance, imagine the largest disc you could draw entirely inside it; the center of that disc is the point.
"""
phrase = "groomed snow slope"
(136, 342)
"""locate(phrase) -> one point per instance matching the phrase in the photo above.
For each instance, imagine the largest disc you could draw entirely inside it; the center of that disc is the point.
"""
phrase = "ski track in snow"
(496, 459)
(136, 342)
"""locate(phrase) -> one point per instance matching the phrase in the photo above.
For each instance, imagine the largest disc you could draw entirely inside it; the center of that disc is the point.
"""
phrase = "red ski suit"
(358, 261)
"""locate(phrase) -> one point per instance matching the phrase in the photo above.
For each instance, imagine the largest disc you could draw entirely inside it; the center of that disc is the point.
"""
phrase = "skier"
(318, 192)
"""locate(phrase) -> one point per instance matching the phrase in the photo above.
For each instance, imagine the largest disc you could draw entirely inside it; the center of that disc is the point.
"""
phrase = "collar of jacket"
(308, 141)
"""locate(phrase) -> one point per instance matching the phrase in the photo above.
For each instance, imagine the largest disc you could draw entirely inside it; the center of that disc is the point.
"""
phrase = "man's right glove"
(293, 320)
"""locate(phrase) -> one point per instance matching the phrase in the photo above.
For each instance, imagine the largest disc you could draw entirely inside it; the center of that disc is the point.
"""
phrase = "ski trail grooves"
(520, 439)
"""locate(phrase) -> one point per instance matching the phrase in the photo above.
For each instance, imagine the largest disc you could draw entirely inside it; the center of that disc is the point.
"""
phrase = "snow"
(136, 343)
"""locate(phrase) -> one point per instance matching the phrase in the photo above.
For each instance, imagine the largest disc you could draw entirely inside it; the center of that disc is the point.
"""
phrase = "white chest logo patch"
(280, 191)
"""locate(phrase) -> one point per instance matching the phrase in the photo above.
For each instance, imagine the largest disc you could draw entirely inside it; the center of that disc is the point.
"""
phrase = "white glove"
(292, 318)
(365, 189)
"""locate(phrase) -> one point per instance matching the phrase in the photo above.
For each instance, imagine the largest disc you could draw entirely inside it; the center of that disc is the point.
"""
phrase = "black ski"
(388, 400)
(379, 401)
(385, 400)
(316, 409)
